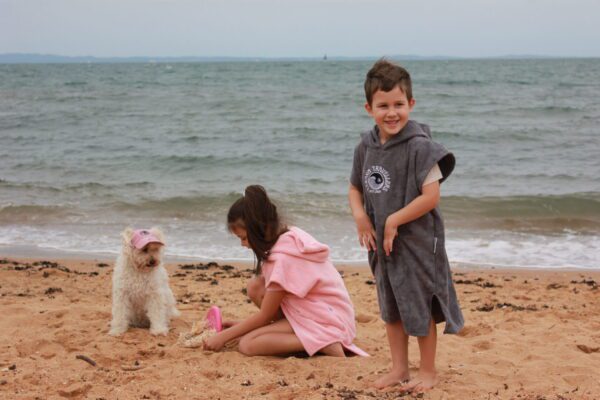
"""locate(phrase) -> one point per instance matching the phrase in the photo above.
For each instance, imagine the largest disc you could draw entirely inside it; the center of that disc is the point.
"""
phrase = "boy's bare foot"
(391, 378)
(423, 382)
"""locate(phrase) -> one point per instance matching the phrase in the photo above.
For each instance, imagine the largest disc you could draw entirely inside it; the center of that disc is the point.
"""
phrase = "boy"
(394, 193)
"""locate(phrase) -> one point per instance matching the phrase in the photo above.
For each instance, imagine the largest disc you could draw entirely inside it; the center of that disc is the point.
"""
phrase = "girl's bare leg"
(277, 338)
(333, 350)
(256, 292)
(398, 340)
(427, 377)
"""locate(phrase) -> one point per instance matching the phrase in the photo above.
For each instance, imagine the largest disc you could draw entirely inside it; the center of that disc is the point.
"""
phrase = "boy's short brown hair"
(385, 75)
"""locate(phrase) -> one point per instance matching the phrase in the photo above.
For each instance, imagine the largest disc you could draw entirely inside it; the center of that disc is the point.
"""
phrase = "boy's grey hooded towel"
(414, 283)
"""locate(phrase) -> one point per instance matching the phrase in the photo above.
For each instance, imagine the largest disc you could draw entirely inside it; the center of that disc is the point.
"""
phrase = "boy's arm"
(364, 227)
(420, 206)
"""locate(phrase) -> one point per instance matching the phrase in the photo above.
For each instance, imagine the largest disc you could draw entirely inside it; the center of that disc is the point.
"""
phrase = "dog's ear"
(158, 233)
(126, 235)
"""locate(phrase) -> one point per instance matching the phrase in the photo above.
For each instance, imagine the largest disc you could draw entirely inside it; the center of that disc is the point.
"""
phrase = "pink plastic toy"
(214, 319)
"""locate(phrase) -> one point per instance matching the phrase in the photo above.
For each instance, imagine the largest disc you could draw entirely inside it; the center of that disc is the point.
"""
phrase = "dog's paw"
(159, 331)
(116, 331)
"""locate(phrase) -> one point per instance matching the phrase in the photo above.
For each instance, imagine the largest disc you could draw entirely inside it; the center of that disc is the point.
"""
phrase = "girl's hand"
(366, 233)
(389, 234)
(230, 323)
(214, 343)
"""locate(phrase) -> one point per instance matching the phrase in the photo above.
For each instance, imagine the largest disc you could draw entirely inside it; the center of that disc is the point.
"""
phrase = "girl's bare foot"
(423, 382)
(333, 350)
(391, 378)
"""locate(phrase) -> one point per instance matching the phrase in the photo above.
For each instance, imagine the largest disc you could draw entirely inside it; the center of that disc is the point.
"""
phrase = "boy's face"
(390, 110)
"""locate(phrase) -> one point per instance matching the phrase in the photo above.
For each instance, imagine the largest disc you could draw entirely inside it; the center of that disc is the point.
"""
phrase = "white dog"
(141, 295)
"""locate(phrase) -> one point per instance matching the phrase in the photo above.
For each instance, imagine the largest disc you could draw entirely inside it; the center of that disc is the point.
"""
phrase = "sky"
(300, 28)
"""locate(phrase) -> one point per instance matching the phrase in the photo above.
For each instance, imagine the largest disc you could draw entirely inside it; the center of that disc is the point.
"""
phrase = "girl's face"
(242, 234)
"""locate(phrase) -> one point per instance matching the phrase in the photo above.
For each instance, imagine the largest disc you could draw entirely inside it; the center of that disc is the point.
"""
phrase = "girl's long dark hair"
(257, 214)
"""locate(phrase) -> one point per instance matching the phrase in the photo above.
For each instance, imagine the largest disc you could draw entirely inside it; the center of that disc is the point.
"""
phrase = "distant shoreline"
(34, 58)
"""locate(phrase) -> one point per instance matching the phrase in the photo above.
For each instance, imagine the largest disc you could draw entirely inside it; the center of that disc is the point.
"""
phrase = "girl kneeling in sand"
(304, 305)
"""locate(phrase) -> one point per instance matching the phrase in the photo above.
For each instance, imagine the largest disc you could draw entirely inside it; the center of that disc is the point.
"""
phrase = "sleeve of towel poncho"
(426, 154)
(292, 274)
(357, 165)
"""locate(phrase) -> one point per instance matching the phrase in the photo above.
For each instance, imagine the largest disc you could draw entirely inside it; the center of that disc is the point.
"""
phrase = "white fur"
(141, 296)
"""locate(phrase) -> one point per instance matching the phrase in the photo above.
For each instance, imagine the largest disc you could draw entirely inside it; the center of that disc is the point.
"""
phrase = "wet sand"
(529, 334)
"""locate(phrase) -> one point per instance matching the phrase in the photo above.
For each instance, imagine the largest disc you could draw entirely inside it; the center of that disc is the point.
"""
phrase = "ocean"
(89, 149)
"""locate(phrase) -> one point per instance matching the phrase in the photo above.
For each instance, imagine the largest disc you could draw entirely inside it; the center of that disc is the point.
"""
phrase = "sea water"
(88, 149)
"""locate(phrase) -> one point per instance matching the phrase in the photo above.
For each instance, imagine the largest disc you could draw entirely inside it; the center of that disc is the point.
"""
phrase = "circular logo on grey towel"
(377, 179)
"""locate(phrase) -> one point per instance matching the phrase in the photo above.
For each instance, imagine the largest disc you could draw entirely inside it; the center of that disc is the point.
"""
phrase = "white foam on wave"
(525, 250)
(482, 248)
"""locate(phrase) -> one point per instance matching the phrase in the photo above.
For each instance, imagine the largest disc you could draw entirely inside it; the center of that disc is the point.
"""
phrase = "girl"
(304, 305)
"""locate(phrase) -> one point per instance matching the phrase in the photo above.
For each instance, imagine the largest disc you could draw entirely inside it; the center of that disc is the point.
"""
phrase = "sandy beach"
(529, 334)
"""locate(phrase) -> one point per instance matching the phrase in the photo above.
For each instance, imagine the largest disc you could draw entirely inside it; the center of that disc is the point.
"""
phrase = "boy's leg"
(427, 377)
(398, 340)
(277, 338)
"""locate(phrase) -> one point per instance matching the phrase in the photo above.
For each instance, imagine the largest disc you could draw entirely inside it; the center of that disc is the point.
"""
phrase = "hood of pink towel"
(295, 242)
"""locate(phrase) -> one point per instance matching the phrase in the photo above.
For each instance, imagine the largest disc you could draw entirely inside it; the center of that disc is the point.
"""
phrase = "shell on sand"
(197, 335)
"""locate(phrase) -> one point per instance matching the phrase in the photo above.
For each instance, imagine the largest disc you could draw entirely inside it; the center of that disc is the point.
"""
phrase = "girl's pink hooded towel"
(317, 304)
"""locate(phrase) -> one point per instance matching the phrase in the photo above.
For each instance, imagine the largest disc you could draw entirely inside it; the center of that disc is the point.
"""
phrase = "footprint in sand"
(75, 390)
(365, 318)
(474, 331)
(96, 316)
(483, 345)
(58, 314)
(44, 348)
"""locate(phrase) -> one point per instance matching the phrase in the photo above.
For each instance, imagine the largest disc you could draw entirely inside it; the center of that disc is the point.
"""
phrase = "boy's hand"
(366, 233)
(214, 343)
(389, 234)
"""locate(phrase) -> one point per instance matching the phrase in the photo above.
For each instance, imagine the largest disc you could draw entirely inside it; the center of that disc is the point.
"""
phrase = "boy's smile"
(391, 111)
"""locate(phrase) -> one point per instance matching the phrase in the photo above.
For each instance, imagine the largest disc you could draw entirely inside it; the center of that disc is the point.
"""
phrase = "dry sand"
(528, 335)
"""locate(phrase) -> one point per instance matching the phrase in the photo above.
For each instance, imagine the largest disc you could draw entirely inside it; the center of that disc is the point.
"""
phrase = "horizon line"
(41, 57)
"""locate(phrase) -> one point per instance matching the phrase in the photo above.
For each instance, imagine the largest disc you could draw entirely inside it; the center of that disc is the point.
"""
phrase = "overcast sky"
(300, 28)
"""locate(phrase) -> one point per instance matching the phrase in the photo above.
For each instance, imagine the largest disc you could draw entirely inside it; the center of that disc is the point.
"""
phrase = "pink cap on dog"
(141, 237)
